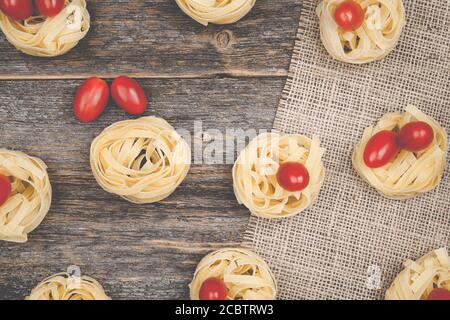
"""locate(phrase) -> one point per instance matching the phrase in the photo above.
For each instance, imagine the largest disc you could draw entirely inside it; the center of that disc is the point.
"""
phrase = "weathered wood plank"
(155, 39)
(136, 252)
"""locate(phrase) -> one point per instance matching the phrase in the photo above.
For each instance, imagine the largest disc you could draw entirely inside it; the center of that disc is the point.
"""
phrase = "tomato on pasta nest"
(428, 278)
(404, 174)
(29, 195)
(258, 186)
(348, 40)
(48, 36)
(234, 274)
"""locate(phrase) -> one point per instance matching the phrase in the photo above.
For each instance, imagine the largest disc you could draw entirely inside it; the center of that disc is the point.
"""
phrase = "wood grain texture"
(155, 39)
(136, 252)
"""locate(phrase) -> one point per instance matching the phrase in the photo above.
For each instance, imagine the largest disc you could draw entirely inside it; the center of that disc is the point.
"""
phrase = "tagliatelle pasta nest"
(420, 277)
(48, 36)
(142, 160)
(31, 195)
(376, 38)
(63, 286)
(246, 275)
(410, 173)
(254, 174)
(216, 11)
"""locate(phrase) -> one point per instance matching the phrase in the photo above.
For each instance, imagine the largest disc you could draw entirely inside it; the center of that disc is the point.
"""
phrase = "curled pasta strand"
(30, 197)
(62, 286)
(254, 174)
(246, 275)
(374, 40)
(410, 173)
(216, 11)
(420, 277)
(142, 160)
(49, 36)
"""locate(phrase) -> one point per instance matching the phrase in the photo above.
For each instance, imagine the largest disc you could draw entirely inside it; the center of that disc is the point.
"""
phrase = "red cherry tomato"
(49, 8)
(213, 289)
(5, 189)
(416, 136)
(381, 149)
(17, 9)
(349, 15)
(439, 294)
(129, 95)
(293, 176)
(91, 99)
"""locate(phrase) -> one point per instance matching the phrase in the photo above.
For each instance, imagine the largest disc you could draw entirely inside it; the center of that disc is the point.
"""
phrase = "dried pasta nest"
(142, 160)
(410, 173)
(216, 11)
(246, 275)
(254, 174)
(420, 277)
(375, 39)
(31, 195)
(48, 36)
(63, 286)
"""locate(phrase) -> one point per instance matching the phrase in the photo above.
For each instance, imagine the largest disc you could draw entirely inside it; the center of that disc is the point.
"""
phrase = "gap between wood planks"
(230, 74)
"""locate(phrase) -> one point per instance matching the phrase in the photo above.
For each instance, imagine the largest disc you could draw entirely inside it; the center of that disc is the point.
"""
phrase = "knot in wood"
(224, 39)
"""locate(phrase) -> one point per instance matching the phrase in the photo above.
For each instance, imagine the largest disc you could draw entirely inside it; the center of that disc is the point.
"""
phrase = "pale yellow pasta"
(246, 275)
(420, 277)
(254, 174)
(63, 286)
(48, 36)
(410, 173)
(30, 197)
(142, 160)
(376, 38)
(216, 11)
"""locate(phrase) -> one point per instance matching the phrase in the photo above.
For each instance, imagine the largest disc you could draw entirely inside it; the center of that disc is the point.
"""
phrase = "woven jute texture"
(338, 248)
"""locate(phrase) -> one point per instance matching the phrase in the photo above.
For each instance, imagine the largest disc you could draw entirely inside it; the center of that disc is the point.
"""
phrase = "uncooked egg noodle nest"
(379, 34)
(411, 173)
(48, 36)
(254, 174)
(63, 286)
(420, 277)
(216, 11)
(142, 160)
(31, 195)
(246, 275)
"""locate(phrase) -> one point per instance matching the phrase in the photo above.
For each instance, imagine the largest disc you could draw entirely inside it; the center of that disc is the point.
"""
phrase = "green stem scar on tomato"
(213, 289)
(91, 99)
(293, 176)
(17, 9)
(5, 189)
(129, 95)
(349, 15)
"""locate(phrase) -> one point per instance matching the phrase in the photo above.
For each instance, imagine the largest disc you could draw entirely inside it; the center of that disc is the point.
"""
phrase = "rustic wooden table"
(226, 76)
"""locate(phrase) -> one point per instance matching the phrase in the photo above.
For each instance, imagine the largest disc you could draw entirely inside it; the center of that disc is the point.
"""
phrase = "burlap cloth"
(335, 248)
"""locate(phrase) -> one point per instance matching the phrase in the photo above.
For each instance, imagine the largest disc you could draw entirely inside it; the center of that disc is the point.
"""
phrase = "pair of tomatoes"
(5, 189)
(23, 9)
(92, 97)
(384, 146)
